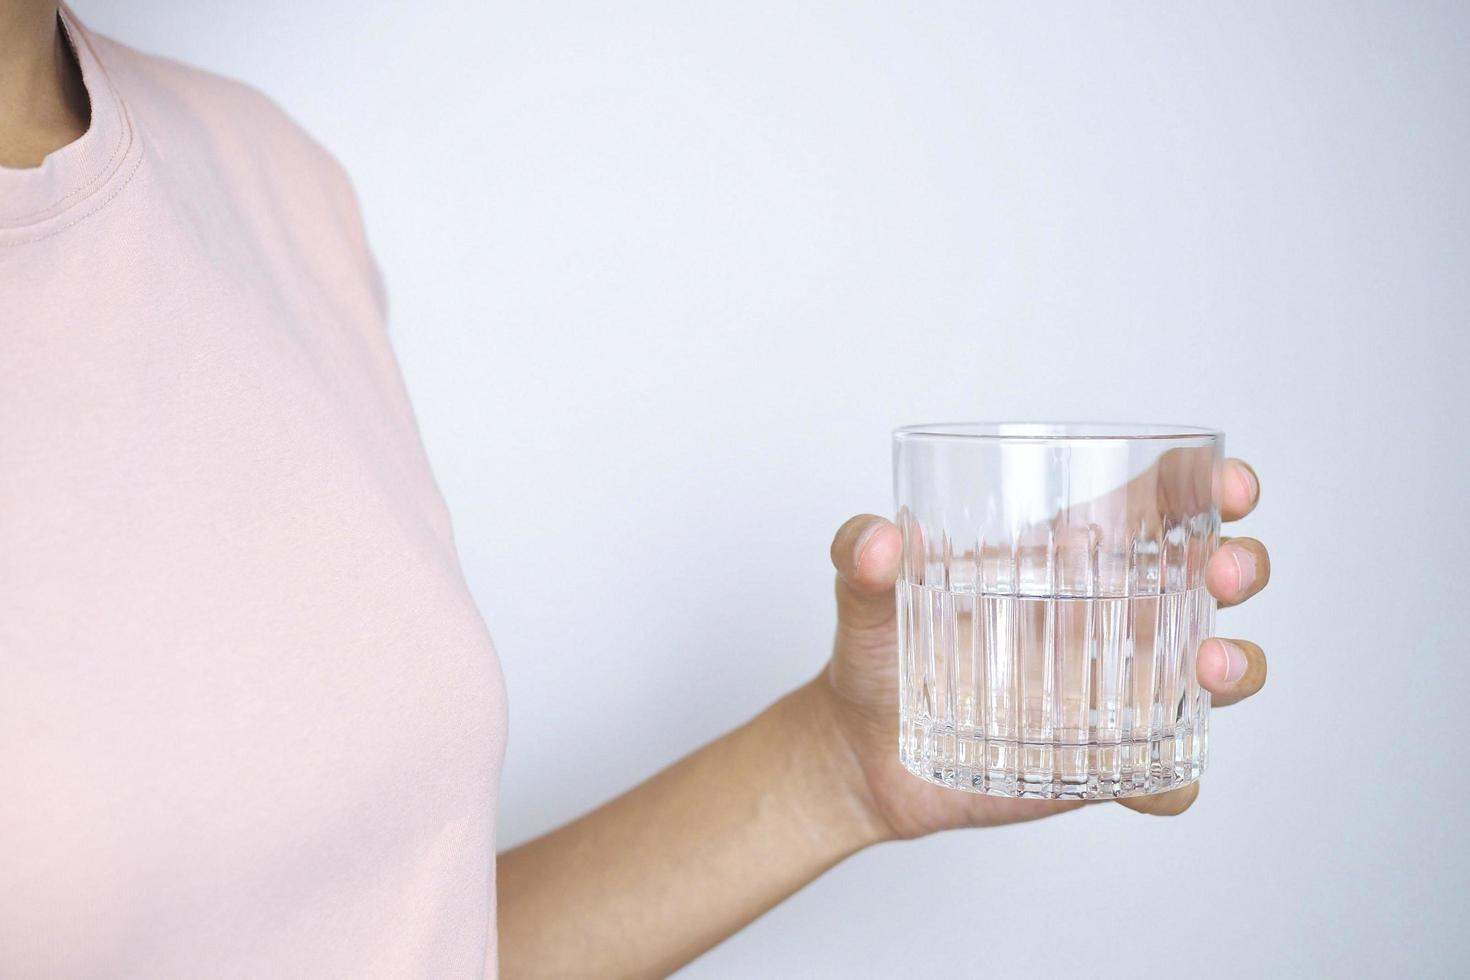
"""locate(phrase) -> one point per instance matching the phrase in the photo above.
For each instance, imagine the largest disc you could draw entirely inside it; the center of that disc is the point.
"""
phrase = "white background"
(663, 276)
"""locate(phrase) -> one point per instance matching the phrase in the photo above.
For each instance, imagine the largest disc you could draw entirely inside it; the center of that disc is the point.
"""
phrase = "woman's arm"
(652, 879)
(647, 882)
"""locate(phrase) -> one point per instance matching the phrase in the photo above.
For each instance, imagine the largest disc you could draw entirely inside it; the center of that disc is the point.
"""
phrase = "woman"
(251, 723)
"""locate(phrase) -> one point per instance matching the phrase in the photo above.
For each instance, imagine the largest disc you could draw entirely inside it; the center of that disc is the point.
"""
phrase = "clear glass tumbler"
(1051, 604)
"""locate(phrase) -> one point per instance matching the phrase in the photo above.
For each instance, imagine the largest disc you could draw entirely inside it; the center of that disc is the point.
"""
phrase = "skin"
(648, 881)
(43, 104)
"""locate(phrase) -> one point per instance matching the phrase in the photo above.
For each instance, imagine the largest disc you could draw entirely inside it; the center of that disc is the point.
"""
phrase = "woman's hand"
(861, 680)
(653, 878)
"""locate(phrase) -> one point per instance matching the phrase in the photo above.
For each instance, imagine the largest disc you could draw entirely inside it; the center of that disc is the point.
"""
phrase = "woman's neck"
(43, 103)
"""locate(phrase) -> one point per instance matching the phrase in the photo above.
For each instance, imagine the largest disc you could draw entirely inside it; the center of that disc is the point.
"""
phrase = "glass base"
(1056, 769)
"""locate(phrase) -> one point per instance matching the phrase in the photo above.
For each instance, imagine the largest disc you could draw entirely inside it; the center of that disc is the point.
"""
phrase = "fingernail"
(1247, 481)
(862, 542)
(1245, 568)
(1235, 662)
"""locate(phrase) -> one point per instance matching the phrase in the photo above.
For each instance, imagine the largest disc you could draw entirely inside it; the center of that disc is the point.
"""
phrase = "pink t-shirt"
(251, 724)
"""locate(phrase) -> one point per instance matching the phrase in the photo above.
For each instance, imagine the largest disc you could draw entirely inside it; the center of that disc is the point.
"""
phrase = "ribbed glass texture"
(1051, 604)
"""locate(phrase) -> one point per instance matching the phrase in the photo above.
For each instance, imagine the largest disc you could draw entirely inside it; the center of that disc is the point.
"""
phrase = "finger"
(1230, 669)
(1239, 569)
(865, 553)
(1169, 804)
(1240, 490)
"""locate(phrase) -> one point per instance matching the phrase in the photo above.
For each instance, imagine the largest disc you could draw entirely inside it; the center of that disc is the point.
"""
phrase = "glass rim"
(1056, 432)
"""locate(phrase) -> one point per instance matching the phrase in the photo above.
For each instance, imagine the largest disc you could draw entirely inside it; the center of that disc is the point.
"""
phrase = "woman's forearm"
(652, 879)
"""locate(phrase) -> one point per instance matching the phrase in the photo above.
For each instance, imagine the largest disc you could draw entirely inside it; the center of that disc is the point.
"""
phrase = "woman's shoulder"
(187, 115)
(209, 138)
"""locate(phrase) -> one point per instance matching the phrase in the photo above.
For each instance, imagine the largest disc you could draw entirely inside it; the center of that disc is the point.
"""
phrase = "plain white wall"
(664, 275)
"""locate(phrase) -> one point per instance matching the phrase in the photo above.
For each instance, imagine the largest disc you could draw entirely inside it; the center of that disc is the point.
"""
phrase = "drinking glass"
(1051, 604)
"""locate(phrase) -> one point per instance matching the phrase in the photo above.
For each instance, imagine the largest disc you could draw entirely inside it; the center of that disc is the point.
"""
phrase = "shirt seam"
(115, 156)
(6, 241)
